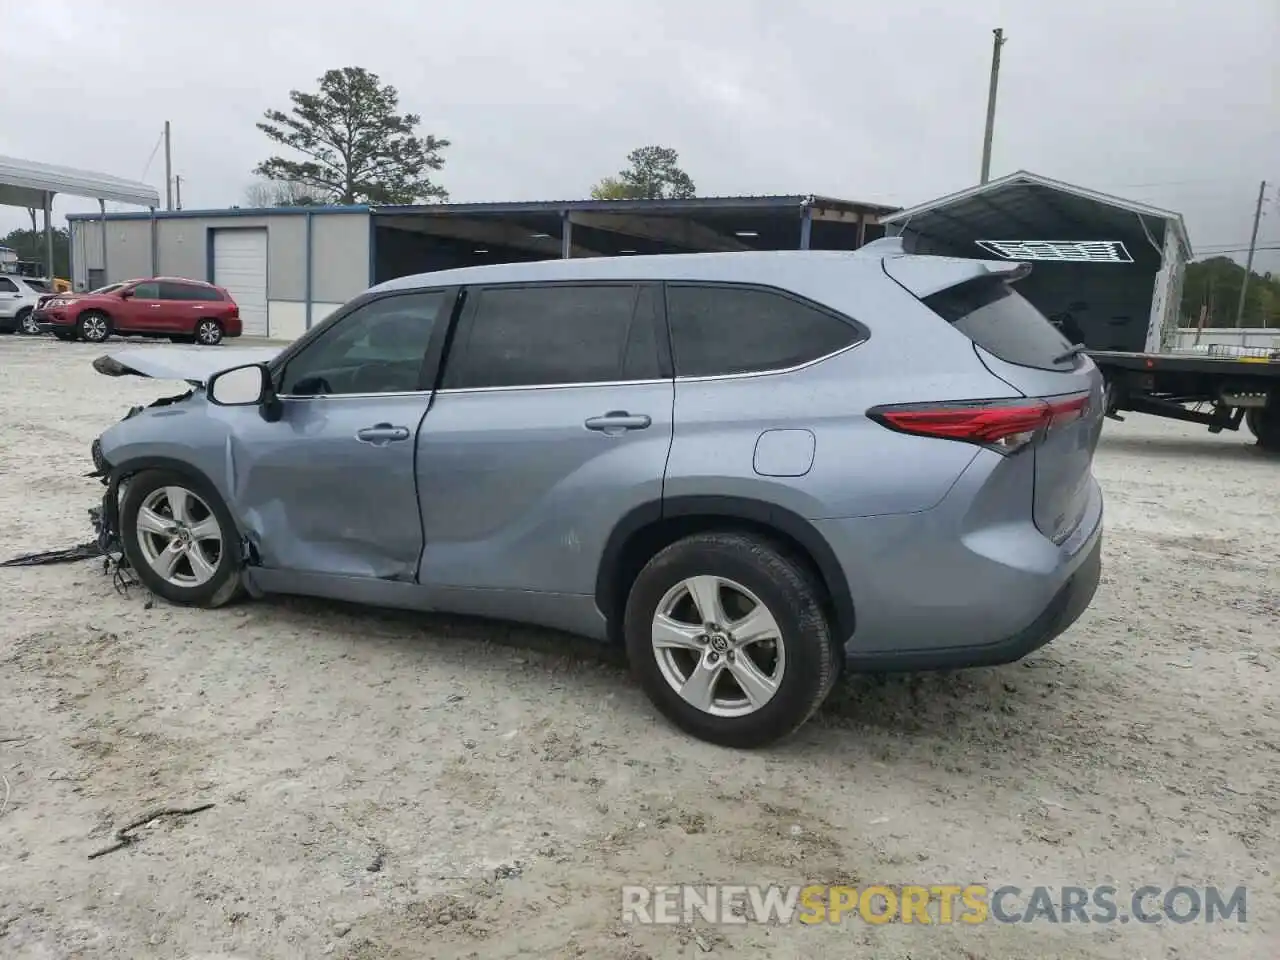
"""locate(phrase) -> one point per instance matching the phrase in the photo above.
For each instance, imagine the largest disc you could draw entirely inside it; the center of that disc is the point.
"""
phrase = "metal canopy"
(24, 183)
(1024, 207)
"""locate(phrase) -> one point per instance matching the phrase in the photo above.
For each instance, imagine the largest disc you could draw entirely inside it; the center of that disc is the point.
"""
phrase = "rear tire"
(180, 539)
(208, 333)
(691, 670)
(1264, 423)
(94, 326)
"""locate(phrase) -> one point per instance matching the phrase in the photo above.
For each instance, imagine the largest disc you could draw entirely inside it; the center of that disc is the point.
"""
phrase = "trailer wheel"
(1264, 423)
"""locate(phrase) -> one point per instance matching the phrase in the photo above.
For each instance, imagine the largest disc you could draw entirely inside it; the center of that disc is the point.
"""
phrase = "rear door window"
(7, 285)
(176, 291)
(1003, 322)
(719, 330)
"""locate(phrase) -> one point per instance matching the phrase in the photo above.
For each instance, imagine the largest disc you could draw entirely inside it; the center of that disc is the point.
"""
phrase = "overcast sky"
(1173, 102)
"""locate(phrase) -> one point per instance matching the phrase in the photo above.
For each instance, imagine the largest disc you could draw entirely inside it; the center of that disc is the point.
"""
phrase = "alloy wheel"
(93, 328)
(179, 536)
(208, 332)
(718, 646)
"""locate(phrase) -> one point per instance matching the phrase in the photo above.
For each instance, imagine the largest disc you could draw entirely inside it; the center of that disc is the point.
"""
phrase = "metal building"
(1112, 268)
(289, 267)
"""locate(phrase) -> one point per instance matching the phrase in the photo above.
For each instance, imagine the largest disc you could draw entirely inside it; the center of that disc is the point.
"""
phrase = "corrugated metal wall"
(183, 248)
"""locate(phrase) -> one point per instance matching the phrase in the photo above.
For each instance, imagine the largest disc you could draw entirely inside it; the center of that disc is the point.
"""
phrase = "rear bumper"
(1063, 610)
(971, 582)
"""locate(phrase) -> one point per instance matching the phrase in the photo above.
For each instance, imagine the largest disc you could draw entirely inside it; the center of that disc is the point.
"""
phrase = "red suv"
(185, 311)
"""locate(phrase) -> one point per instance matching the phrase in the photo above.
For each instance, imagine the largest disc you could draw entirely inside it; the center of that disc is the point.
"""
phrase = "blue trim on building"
(307, 272)
(231, 212)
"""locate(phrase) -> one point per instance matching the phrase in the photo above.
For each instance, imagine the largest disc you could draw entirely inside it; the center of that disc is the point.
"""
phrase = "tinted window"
(147, 291)
(7, 285)
(1001, 321)
(199, 292)
(40, 286)
(723, 330)
(176, 291)
(378, 348)
(525, 336)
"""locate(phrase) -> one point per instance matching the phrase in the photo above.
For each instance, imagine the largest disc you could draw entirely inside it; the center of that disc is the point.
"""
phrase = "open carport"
(25, 183)
(1110, 268)
(415, 239)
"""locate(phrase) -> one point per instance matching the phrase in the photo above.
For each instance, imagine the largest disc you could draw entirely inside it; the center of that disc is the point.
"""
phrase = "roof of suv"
(920, 274)
(741, 267)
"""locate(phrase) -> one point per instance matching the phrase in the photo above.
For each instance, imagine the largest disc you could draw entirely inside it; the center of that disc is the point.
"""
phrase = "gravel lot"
(394, 786)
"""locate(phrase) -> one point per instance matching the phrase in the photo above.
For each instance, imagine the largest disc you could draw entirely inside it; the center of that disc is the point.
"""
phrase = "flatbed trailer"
(1220, 392)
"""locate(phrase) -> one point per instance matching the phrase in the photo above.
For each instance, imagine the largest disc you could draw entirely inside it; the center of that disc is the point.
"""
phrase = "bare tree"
(283, 193)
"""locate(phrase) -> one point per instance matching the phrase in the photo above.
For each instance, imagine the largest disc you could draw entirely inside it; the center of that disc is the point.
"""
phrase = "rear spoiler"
(924, 276)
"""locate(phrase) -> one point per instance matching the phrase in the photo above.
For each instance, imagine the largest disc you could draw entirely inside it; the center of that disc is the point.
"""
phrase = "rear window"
(1003, 322)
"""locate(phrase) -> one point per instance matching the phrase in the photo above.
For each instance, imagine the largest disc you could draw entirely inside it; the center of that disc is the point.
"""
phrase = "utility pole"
(177, 188)
(168, 170)
(1253, 243)
(991, 103)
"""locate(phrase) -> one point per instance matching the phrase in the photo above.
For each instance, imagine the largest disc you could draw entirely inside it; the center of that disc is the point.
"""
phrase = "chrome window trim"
(710, 378)
(746, 375)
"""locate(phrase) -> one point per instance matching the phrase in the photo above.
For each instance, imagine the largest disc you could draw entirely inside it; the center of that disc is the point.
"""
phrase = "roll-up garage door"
(240, 266)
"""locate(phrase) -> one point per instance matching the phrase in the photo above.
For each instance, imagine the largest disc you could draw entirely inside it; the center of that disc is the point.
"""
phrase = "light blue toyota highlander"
(752, 469)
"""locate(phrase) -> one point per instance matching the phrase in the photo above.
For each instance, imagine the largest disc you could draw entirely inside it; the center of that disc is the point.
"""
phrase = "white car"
(18, 299)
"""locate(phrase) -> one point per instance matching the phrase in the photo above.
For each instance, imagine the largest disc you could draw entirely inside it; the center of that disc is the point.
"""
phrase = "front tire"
(27, 323)
(180, 539)
(728, 637)
(94, 326)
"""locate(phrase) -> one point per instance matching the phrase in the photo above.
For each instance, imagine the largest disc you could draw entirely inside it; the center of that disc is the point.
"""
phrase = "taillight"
(1002, 425)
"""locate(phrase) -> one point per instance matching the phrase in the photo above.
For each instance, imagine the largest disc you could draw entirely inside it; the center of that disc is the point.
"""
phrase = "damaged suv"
(752, 469)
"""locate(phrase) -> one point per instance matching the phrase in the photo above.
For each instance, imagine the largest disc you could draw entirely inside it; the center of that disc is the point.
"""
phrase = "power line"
(1203, 252)
(154, 150)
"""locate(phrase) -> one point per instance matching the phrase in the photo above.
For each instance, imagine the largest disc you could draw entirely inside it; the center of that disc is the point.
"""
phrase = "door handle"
(382, 433)
(615, 421)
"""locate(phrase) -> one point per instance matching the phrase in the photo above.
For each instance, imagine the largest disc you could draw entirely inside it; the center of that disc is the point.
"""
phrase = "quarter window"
(557, 334)
(718, 330)
(381, 347)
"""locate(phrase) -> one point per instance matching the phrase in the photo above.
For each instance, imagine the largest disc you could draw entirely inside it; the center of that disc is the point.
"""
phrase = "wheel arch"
(140, 464)
(652, 526)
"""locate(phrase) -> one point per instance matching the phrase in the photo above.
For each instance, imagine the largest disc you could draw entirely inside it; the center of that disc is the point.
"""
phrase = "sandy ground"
(391, 786)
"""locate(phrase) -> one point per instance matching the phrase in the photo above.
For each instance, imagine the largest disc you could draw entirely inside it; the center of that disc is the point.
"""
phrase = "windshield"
(41, 285)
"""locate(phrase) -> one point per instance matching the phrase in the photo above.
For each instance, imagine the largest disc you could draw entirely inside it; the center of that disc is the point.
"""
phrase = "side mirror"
(126, 293)
(245, 386)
